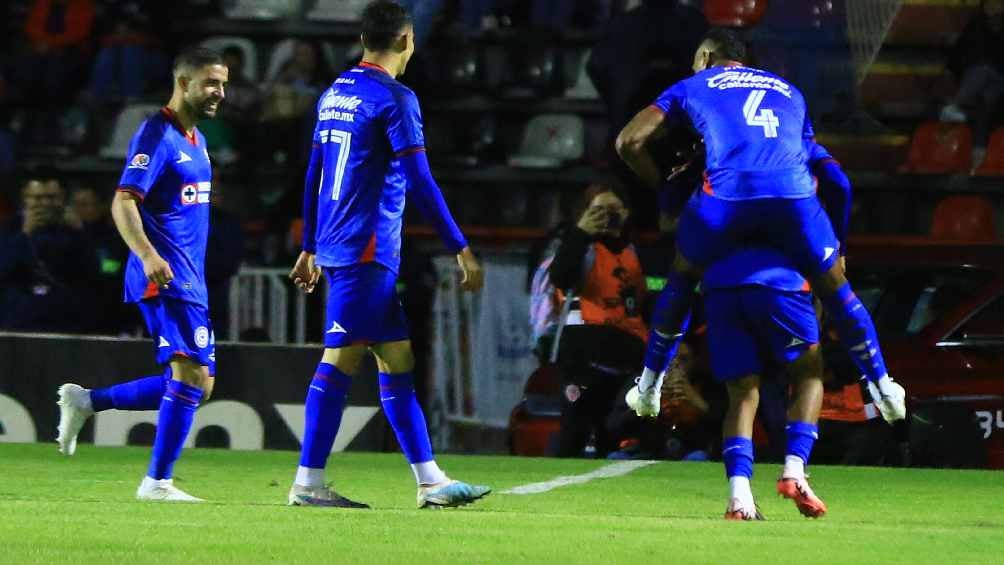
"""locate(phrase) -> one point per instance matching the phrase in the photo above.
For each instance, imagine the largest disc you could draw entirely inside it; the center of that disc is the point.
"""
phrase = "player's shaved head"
(195, 58)
(724, 44)
(383, 22)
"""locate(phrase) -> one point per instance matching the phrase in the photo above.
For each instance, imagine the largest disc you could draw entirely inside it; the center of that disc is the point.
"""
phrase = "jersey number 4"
(760, 117)
(344, 141)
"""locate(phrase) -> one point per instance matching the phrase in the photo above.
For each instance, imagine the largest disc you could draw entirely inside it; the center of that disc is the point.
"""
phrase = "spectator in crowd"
(90, 213)
(643, 50)
(289, 98)
(602, 339)
(224, 254)
(45, 264)
(130, 60)
(57, 34)
(689, 423)
(977, 60)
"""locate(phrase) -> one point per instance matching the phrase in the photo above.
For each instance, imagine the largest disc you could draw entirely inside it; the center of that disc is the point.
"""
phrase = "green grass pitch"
(81, 510)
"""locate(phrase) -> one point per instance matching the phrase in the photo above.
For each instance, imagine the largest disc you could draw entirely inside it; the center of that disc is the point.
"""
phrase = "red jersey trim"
(152, 290)
(374, 66)
(706, 187)
(173, 118)
(369, 254)
(131, 190)
(409, 151)
(656, 108)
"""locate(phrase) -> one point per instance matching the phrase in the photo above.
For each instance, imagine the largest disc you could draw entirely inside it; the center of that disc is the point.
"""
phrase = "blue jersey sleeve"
(404, 123)
(808, 132)
(671, 101)
(144, 161)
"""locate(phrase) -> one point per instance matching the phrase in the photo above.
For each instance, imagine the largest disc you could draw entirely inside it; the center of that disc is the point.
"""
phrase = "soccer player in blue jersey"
(161, 209)
(759, 307)
(368, 155)
(757, 188)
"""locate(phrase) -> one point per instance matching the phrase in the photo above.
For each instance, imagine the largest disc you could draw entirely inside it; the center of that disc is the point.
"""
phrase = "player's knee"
(809, 365)
(347, 360)
(830, 281)
(395, 358)
(190, 373)
(744, 390)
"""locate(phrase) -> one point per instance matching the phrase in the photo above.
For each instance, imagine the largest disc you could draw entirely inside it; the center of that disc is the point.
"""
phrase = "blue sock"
(737, 454)
(857, 331)
(670, 320)
(397, 394)
(143, 393)
(177, 408)
(325, 403)
(801, 437)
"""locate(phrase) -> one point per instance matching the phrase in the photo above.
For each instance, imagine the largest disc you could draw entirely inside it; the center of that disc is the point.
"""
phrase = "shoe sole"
(434, 504)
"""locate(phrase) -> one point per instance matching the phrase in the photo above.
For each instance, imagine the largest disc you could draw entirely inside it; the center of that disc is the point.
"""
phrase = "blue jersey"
(755, 127)
(170, 171)
(365, 120)
(755, 267)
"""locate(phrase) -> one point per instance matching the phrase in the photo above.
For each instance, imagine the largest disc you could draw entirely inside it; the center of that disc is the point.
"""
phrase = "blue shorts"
(180, 329)
(749, 323)
(712, 228)
(363, 307)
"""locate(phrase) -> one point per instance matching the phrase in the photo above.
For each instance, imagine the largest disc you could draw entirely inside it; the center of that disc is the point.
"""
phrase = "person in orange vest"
(600, 286)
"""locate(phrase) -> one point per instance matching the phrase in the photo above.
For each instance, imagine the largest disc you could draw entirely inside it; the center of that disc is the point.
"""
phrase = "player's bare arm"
(632, 144)
(125, 212)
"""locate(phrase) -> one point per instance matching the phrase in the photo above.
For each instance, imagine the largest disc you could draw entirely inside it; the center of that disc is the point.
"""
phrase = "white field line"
(608, 471)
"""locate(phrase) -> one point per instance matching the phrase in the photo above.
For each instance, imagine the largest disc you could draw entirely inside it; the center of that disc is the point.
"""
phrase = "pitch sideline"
(617, 469)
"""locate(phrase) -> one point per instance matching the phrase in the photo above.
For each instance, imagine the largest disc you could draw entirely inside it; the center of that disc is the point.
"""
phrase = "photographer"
(43, 261)
(602, 339)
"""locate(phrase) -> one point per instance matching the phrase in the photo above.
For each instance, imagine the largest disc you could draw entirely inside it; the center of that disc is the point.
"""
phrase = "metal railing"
(260, 298)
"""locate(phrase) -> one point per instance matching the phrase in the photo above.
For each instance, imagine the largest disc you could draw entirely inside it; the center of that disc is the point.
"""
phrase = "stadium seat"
(734, 13)
(582, 86)
(260, 9)
(337, 10)
(965, 218)
(126, 124)
(551, 140)
(993, 163)
(221, 42)
(939, 148)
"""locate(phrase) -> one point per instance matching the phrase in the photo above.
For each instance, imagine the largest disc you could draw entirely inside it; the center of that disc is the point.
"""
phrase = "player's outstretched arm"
(305, 273)
(834, 190)
(125, 213)
(632, 144)
(425, 193)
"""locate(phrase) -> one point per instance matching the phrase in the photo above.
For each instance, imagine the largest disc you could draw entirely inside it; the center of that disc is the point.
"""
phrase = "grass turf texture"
(81, 510)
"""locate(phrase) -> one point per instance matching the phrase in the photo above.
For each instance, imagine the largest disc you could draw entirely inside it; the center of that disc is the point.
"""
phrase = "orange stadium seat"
(939, 148)
(967, 218)
(993, 163)
(734, 13)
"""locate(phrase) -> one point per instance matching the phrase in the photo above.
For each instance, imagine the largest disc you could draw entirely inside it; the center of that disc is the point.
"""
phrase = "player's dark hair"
(725, 44)
(382, 22)
(233, 51)
(196, 58)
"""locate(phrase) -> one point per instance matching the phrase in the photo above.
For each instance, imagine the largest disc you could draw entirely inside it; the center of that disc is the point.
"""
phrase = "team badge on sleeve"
(139, 161)
(201, 336)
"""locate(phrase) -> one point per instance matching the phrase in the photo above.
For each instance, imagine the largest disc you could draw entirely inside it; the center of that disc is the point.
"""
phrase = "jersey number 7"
(344, 141)
(760, 117)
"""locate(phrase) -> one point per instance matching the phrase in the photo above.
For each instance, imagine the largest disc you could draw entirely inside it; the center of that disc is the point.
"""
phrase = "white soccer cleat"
(162, 490)
(645, 404)
(889, 397)
(74, 410)
(742, 510)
